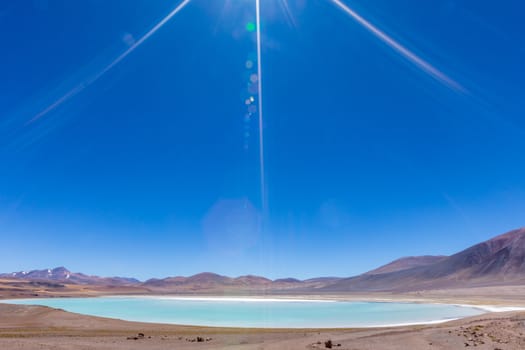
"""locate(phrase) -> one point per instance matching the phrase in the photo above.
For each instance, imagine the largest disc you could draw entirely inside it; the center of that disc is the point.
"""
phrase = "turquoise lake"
(257, 312)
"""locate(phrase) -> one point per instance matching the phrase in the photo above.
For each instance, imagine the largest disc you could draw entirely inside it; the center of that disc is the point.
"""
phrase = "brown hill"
(498, 261)
(407, 263)
(251, 280)
(210, 282)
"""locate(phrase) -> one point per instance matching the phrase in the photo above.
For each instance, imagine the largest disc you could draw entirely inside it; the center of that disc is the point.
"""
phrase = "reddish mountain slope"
(498, 261)
(407, 263)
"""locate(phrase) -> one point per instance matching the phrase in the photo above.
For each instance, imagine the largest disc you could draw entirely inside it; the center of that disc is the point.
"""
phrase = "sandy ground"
(33, 327)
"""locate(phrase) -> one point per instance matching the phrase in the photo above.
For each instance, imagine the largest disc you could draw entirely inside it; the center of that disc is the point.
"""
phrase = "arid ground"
(32, 327)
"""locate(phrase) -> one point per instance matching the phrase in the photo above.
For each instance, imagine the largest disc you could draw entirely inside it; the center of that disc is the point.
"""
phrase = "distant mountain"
(206, 282)
(287, 280)
(56, 274)
(201, 281)
(407, 263)
(498, 261)
(251, 280)
(61, 274)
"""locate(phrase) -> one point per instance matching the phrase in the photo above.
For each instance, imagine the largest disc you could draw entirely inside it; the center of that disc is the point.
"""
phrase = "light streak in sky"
(286, 8)
(385, 38)
(403, 51)
(80, 87)
(260, 106)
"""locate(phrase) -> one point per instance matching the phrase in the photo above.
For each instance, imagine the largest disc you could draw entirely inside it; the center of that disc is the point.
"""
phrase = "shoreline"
(486, 309)
(32, 327)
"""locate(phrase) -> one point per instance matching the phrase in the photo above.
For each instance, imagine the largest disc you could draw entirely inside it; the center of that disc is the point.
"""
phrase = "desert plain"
(36, 327)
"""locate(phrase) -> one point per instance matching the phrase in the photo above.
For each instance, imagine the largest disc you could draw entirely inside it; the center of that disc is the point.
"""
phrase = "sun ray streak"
(260, 107)
(286, 8)
(80, 87)
(403, 51)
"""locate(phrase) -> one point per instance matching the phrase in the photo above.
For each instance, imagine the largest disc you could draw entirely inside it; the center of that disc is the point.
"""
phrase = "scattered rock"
(198, 339)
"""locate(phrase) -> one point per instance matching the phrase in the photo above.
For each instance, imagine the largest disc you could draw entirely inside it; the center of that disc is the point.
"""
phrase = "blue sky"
(152, 169)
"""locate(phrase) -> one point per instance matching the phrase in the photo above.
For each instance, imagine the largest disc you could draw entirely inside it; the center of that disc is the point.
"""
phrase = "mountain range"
(61, 274)
(498, 261)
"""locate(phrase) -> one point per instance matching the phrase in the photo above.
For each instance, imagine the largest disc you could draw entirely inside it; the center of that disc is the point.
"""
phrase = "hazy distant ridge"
(498, 261)
(61, 274)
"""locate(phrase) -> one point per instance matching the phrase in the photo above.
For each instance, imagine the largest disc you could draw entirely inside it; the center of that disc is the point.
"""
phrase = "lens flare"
(260, 105)
(403, 51)
(251, 27)
(80, 87)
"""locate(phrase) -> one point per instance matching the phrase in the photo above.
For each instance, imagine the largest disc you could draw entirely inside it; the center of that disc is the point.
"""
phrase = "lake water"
(266, 313)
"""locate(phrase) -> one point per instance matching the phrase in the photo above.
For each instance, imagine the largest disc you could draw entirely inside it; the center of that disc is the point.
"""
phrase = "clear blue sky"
(152, 169)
